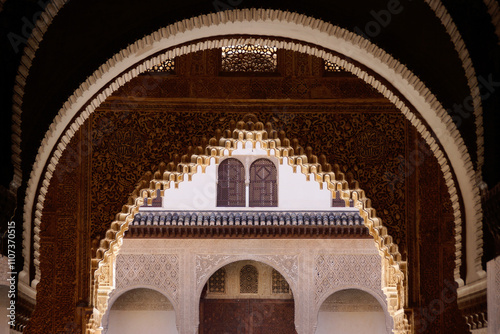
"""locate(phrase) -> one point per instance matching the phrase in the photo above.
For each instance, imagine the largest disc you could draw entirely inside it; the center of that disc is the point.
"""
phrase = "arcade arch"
(353, 310)
(139, 309)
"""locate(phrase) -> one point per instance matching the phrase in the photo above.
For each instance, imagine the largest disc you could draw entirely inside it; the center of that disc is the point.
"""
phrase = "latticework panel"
(166, 66)
(217, 282)
(263, 184)
(332, 67)
(249, 58)
(231, 183)
(279, 285)
(249, 279)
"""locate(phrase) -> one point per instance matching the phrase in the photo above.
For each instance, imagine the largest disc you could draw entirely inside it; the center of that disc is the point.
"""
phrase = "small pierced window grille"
(249, 58)
(280, 285)
(249, 279)
(166, 66)
(332, 67)
(231, 183)
(217, 283)
(263, 184)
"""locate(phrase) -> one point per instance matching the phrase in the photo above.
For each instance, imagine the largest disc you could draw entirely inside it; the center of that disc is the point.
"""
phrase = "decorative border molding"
(169, 176)
(470, 73)
(29, 51)
(493, 295)
(494, 11)
(117, 71)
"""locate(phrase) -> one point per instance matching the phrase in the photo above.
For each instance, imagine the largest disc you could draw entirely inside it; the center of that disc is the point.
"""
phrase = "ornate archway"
(256, 136)
(256, 315)
(347, 44)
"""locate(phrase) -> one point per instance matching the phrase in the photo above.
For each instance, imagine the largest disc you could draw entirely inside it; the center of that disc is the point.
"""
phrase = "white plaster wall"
(134, 322)
(294, 191)
(193, 261)
(351, 323)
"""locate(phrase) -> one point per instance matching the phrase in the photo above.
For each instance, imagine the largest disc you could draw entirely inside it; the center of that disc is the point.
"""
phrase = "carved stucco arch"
(232, 258)
(146, 52)
(228, 259)
(371, 292)
(117, 293)
(393, 267)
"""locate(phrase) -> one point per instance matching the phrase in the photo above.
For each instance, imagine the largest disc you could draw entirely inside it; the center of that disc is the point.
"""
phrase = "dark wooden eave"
(234, 224)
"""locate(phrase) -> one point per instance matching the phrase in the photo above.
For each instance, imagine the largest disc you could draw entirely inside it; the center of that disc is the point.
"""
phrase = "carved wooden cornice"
(225, 224)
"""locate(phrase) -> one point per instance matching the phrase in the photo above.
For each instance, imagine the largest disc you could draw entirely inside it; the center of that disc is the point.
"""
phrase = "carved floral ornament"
(255, 135)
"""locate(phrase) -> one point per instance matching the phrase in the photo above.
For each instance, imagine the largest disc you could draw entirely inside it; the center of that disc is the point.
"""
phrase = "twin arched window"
(263, 183)
(263, 186)
(231, 183)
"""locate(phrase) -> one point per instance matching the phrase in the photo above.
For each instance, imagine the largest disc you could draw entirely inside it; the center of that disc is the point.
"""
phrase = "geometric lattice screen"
(231, 184)
(263, 184)
(249, 279)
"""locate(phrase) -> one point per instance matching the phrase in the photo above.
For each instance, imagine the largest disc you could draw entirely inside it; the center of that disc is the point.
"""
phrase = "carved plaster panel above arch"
(333, 271)
(159, 270)
(208, 264)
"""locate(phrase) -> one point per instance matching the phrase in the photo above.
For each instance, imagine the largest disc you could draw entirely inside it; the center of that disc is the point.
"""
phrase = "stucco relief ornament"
(104, 275)
(287, 263)
(395, 277)
(206, 262)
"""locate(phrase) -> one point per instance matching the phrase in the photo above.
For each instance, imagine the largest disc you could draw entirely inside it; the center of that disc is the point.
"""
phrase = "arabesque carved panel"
(159, 270)
(334, 271)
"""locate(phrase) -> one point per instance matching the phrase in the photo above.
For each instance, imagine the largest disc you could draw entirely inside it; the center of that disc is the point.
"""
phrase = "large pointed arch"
(394, 276)
(314, 37)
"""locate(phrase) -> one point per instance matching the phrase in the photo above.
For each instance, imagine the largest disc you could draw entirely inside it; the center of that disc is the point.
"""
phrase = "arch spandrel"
(393, 268)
